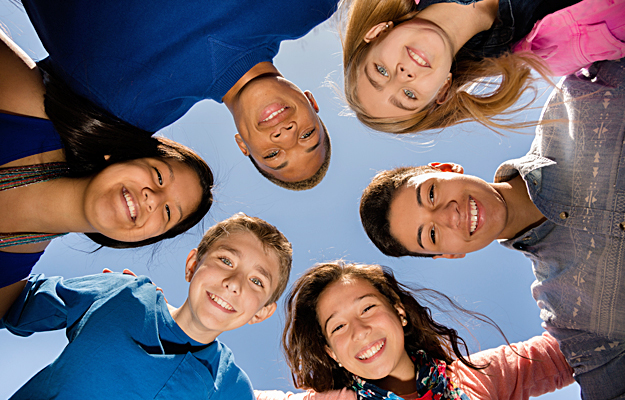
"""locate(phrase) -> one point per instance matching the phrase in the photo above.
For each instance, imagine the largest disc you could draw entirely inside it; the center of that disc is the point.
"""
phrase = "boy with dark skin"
(561, 205)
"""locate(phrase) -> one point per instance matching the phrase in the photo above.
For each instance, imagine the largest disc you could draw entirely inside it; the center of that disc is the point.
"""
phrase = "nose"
(448, 215)
(152, 198)
(404, 73)
(232, 283)
(286, 135)
(360, 330)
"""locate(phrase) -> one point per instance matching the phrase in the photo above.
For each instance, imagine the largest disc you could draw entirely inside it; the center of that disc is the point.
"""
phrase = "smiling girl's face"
(139, 199)
(406, 69)
(363, 330)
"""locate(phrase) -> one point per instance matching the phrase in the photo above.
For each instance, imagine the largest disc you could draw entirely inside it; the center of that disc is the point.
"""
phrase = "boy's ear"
(190, 265)
(241, 144)
(264, 313)
(449, 256)
(375, 32)
(311, 100)
(447, 167)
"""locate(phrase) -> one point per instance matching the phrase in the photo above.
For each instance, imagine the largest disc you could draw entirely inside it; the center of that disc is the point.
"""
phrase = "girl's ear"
(444, 92)
(374, 32)
(331, 353)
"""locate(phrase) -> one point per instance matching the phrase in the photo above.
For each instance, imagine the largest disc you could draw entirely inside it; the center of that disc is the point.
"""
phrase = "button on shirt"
(575, 175)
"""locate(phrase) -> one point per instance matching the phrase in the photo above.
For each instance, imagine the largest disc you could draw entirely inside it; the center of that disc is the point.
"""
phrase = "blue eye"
(168, 212)
(226, 261)
(381, 70)
(410, 94)
(158, 174)
(271, 155)
(257, 282)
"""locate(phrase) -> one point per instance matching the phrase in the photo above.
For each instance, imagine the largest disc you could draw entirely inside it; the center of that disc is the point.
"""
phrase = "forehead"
(341, 294)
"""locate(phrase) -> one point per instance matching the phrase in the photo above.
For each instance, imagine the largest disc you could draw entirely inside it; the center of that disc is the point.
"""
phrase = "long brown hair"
(304, 344)
(491, 109)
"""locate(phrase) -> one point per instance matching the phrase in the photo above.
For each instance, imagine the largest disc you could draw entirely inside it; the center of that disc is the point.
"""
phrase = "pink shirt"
(508, 377)
(577, 36)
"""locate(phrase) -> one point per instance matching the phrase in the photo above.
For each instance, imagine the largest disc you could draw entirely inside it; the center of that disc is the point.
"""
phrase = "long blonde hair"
(491, 109)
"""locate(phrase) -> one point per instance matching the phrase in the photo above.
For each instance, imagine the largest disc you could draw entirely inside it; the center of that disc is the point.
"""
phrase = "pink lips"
(271, 109)
(420, 54)
(216, 304)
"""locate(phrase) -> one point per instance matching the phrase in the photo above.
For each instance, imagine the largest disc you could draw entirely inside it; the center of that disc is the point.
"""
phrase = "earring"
(404, 321)
(386, 26)
(340, 365)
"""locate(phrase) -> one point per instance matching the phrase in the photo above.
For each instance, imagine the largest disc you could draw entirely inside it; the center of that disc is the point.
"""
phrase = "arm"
(512, 377)
(343, 394)
(47, 304)
(21, 85)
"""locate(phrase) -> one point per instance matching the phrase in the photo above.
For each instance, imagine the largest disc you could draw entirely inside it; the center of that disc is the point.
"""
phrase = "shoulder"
(229, 375)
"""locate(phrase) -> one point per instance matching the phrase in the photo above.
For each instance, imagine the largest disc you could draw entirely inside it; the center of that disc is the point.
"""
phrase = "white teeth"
(473, 215)
(418, 59)
(130, 204)
(221, 302)
(273, 114)
(371, 352)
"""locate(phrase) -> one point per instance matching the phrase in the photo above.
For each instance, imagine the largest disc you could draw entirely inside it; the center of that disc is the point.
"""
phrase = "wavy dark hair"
(304, 344)
(93, 139)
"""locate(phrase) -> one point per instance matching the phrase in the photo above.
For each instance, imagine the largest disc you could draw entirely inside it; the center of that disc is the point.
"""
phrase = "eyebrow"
(325, 326)
(393, 100)
(373, 83)
(279, 167)
(265, 273)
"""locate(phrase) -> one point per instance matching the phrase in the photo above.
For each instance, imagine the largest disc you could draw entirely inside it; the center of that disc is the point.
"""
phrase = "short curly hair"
(307, 183)
(375, 205)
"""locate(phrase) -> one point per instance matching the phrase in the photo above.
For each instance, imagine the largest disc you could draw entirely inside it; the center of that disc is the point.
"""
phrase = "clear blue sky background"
(322, 223)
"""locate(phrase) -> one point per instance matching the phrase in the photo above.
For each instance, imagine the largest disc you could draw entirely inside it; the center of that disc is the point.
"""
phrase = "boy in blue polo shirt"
(126, 342)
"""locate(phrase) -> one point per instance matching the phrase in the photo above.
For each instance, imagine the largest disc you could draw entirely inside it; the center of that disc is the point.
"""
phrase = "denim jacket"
(575, 175)
(515, 19)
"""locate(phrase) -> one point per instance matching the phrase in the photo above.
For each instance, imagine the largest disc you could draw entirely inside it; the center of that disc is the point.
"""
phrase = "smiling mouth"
(371, 351)
(131, 204)
(221, 302)
(474, 215)
(274, 114)
(419, 60)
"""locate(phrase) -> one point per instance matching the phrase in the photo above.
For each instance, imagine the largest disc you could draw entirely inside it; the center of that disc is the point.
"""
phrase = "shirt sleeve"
(343, 394)
(53, 303)
(512, 377)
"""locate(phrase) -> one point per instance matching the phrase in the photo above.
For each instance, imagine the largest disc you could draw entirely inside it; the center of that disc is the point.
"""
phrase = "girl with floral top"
(354, 332)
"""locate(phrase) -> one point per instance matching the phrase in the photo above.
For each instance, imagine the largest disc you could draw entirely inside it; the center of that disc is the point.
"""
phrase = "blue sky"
(322, 223)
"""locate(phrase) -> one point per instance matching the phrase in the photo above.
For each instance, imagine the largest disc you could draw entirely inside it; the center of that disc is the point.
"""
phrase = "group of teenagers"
(78, 154)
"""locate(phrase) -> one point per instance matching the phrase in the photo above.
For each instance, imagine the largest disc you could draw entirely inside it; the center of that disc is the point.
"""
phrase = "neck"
(189, 324)
(461, 22)
(257, 70)
(522, 213)
(52, 207)
(402, 379)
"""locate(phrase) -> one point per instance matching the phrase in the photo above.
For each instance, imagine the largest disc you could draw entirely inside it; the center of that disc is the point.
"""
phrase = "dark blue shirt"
(148, 62)
(123, 344)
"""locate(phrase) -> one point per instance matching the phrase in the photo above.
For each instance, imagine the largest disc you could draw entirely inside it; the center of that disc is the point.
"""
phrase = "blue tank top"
(22, 136)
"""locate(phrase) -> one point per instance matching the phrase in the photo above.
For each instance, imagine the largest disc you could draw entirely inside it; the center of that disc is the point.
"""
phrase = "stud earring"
(386, 26)
(340, 365)
(404, 321)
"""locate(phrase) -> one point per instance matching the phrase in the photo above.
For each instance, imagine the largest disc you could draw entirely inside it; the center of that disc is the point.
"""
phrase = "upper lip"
(371, 346)
(419, 54)
(130, 200)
